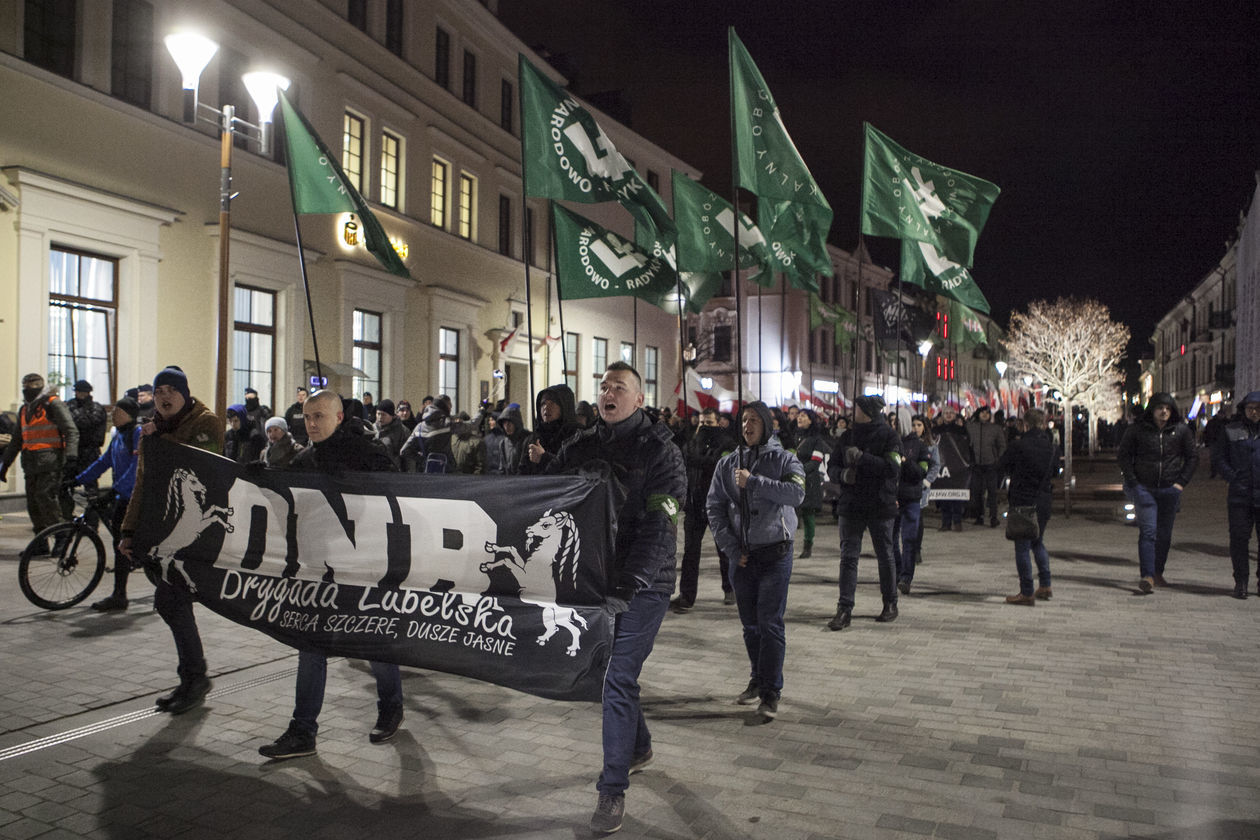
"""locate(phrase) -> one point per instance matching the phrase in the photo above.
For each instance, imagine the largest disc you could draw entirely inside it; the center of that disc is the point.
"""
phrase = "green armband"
(666, 504)
(895, 457)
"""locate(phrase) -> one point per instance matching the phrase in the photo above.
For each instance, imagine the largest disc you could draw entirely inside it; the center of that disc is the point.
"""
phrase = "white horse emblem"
(186, 501)
(549, 565)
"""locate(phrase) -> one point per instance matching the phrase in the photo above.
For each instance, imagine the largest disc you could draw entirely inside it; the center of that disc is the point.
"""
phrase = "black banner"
(497, 578)
(954, 482)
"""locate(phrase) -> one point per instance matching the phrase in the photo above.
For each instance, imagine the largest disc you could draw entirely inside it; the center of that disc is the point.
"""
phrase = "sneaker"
(386, 725)
(1147, 585)
(679, 606)
(639, 762)
(608, 813)
(729, 599)
(903, 586)
(188, 696)
(750, 694)
(842, 619)
(1043, 593)
(110, 604)
(294, 743)
(769, 708)
(1021, 600)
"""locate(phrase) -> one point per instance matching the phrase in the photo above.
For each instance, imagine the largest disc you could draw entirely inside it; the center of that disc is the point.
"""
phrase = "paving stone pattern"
(1102, 713)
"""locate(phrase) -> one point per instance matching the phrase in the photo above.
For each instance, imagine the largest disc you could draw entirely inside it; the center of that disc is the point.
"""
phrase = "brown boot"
(1043, 593)
(1021, 600)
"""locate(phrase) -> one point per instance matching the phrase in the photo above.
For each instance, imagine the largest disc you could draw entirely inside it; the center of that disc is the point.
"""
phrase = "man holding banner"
(336, 446)
(644, 458)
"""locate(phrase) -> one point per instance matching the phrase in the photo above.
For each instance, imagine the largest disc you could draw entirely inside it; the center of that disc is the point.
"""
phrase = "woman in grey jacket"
(751, 509)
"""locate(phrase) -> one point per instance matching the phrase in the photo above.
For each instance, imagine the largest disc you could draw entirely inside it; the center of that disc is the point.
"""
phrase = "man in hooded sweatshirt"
(752, 510)
(866, 464)
(1157, 457)
(1237, 458)
(556, 410)
(510, 445)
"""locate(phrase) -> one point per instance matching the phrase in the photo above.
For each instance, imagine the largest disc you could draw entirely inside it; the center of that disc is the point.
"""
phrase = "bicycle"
(64, 562)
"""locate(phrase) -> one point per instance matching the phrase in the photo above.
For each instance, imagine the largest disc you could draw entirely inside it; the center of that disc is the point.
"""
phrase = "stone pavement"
(1099, 714)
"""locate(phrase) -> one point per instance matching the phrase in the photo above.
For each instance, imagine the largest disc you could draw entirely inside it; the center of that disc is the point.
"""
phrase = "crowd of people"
(754, 480)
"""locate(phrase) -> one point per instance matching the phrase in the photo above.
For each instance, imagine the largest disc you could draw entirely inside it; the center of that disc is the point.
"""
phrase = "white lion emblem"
(186, 500)
(549, 566)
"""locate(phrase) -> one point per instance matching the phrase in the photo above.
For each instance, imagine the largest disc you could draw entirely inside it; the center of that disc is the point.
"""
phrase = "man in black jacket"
(1157, 458)
(336, 446)
(866, 465)
(701, 454)
(556, 411)
(644, 458)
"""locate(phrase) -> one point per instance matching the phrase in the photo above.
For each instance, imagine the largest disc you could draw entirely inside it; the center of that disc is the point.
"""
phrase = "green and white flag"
(566, 155)
(792, 212)
(822, 314)
(909, 197)
(968, 327)
(592, 261)
(318, 186)
(704, 221)
(923, 266)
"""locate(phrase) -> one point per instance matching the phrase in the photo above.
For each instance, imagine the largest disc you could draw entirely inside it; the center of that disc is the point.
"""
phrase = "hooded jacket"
(247, 443)
(120, 457)
(431, 437)
(45, 411)
(1236, 456)
(813, 448)
(1031, 462)
(508, 447)
(1155, 457)
(872, 493)
(763, 512)
(645, 460)
(551, 435)
(916, 466)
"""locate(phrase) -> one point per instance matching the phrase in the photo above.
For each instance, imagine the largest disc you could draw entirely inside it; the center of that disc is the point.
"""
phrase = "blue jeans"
(625, 731)
(313, 673)
(907, 535)
(1037, 548)
(1244, 519)
(175, 604)
(761, 589)
(1156, 510)
(851, 530)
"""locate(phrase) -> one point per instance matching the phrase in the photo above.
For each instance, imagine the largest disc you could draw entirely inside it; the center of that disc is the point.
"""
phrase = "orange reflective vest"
(39, 432)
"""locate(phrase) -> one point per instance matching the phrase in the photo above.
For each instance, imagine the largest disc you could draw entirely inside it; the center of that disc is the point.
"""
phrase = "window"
(627, 353)
(254, 344)
(505, 225)
(352, 149)
(722, 343)
(437, 190)
(470, 79)
(391, 158)
(467, 205)
(599, 362)
(442, 59)
(366, 352)
(82, 315)
(394, 26)
(50, 34)
(448, 364)
(651, 373)
(356, 13)
(131, 60)
(571, 360)
(506, 97)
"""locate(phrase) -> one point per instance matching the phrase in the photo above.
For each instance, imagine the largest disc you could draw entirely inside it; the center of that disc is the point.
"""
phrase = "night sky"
(1125, 136)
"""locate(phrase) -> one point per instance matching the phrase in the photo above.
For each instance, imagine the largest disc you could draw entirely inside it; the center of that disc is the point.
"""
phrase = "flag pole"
(306, 283)
(857, 310)
(739, 319)
(682, 350)
(529, 325)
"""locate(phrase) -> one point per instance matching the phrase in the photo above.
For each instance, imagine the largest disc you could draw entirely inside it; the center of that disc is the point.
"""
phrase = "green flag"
(967, 326)
(909, 197)
(841, 320)
(592, 261)
(923, 266)
(566, 155)
(318, 186)
(792, 212)
(704, 220)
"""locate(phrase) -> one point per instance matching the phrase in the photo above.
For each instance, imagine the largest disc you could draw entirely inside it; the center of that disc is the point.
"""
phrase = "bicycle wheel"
(68, 572)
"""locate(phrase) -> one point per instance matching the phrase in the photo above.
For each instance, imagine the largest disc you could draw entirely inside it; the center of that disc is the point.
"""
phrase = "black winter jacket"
(344, 451)
(1237, 457)
(1155, 457)
(1031, 461)
(702, 454)
(914, 468)
(873, 492)
(645, 460)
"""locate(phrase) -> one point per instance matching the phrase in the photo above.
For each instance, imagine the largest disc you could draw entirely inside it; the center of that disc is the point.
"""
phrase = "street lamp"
(1001, 369)
(192, 52)
(925, 350)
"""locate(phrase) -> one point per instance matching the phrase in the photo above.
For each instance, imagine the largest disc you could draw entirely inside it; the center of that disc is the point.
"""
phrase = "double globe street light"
(192, 52)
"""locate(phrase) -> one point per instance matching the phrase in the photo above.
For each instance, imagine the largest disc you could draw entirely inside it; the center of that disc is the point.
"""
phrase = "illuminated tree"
(1074, 349)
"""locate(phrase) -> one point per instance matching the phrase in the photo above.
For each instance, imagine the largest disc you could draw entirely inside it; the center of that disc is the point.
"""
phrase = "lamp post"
(925, 350)
(1001, 369)
(191, 53)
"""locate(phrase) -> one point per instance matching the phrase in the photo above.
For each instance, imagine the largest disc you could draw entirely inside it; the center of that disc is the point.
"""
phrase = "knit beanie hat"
(386, 406)
(129, 405)
(175, 378)
(871, 404)
(277, 422)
